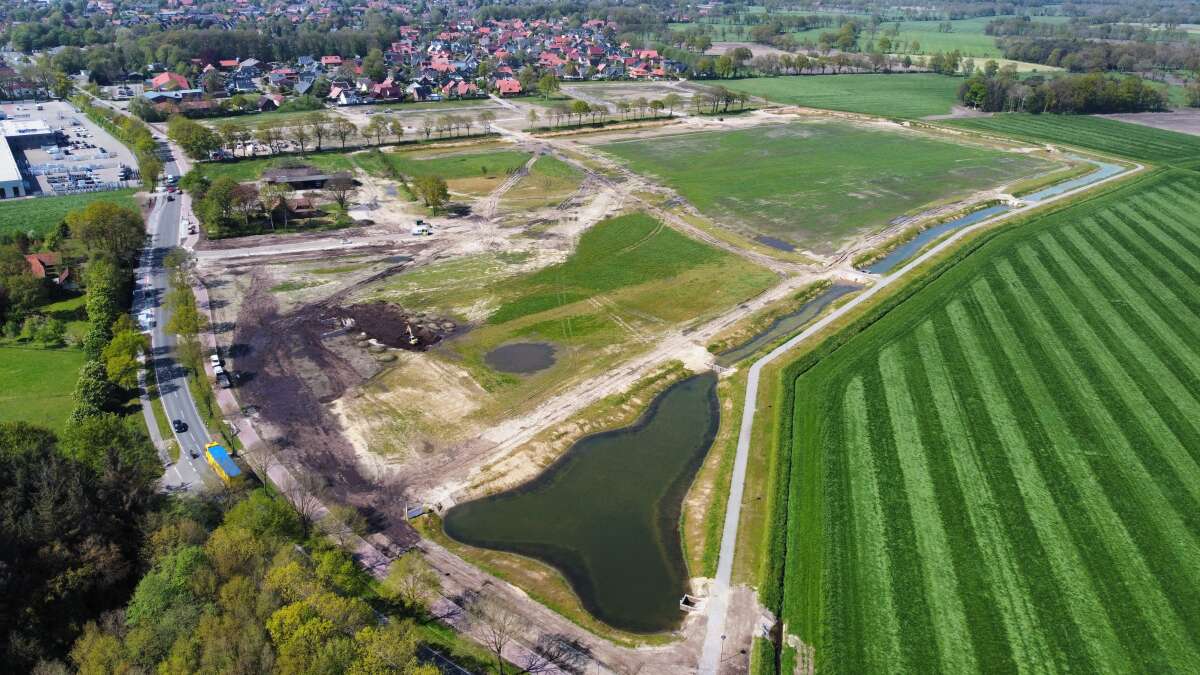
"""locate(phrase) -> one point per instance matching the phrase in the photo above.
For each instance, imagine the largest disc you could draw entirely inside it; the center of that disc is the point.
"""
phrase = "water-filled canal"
(607, 513)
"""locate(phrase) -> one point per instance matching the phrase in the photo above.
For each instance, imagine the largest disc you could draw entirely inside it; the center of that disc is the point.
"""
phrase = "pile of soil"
(394, 327)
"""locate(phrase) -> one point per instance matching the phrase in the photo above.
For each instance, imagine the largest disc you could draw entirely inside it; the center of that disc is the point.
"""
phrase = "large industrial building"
(19, 135)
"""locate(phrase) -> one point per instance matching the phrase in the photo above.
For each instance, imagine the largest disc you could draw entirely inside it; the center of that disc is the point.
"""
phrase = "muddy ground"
(393, 326)
(291, 373)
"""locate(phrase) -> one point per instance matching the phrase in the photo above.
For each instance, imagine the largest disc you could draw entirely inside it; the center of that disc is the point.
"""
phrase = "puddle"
(521, 357)
(774, 243)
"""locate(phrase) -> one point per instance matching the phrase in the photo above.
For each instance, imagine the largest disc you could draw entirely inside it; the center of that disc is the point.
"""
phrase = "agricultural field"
(36, 384)
(902, 95)
(1100, 134)
(1003, 472)
(41, 214)
(629, 279)
(817, 184)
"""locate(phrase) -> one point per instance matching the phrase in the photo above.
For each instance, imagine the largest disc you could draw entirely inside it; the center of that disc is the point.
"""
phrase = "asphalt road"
(163, 228)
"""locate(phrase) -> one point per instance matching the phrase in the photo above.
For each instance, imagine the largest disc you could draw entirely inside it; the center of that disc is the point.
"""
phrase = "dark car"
(179, 425)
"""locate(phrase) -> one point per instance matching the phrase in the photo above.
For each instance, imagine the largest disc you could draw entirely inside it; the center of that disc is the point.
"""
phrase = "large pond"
(607, 513)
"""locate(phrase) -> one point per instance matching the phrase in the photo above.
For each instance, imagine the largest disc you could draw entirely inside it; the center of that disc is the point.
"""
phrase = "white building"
(19, 134)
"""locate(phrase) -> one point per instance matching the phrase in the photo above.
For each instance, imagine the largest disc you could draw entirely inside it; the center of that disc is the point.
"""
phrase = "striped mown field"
(1101, 134)
(1002, 473)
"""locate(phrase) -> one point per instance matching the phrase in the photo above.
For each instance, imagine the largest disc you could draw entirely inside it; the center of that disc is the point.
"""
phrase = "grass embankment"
(997, 463)
(853, 179)
(41, 214)
(703, 514)
(900, 95)
(1030, 185)
(36, 384)
(756, 323)
(1100, 134)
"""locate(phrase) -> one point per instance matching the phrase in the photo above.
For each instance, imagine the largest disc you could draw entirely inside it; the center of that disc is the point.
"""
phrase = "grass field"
(246, 170)
(966, 35)
(817, 184)
(463, 164)
(1003, 472)
(1101, 134)
(43, 213)
(904, 95)
(36, 385)
(548, 183)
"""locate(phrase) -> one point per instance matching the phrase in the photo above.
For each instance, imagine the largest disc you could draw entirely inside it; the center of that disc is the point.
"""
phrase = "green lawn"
(1002, 473)
(246, 170)
(36, 385)
(40, 214)
(817, 184)
(1101, 134)
(465, 164)
(903, 95)
(626, 251)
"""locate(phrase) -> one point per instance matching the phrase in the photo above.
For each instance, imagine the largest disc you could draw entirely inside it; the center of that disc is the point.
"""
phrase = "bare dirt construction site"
(369, 354)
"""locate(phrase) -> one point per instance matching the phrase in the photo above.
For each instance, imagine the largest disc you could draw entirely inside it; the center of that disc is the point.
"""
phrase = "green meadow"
(1001, 472)
(901, 95)
(39, 215)
(817, 184)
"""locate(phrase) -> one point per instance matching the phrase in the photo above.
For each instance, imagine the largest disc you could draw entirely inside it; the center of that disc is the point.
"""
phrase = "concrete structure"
(19, 135)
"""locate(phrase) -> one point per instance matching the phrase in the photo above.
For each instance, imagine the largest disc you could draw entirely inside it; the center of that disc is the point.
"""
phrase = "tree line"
(1081, 55)
(70, 505)
(994, 89)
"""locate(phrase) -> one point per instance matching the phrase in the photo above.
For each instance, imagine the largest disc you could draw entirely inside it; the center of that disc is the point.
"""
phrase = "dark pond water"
(521, 357)
(775, 243)
(785, 325)
(607, 514)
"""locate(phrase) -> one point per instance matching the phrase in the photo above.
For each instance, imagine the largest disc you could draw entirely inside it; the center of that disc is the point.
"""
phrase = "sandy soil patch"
(1183, 121)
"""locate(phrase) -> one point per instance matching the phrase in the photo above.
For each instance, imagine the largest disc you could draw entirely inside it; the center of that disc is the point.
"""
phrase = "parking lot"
(86, 158)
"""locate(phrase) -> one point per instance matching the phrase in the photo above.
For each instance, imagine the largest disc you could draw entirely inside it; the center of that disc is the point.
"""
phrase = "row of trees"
(996, 90)
(318, 130)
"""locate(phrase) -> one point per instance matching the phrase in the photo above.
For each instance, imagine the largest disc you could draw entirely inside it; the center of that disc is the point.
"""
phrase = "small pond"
(606, 514)
(775, 243)
(786, 325)
(521, 357)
